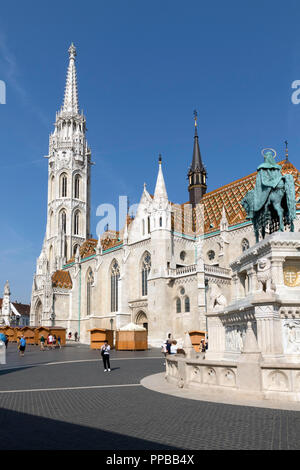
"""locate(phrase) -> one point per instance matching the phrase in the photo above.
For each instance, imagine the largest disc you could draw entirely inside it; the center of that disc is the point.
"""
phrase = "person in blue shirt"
(22, 345)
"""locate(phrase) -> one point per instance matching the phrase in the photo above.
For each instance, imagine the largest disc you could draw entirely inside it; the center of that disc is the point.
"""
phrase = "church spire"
(160, 188)
(197, 173)
(197, 160)
(70, 105)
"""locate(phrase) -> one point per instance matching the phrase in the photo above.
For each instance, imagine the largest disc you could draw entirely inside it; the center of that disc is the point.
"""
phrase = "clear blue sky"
(143, 67)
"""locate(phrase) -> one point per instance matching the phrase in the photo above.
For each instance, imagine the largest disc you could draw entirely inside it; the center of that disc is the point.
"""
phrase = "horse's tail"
(289, 186)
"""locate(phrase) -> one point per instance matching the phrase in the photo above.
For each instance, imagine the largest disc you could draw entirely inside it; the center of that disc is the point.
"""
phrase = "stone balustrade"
(280, 382)
(217, 271)
(182, 271)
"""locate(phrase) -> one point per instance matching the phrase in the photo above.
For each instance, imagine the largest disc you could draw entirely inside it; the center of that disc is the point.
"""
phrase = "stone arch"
(63, 184)
(62, 220)
(210, 376)
(77, 222)
(141, 319)
(277, 380)
(38, 312)
(77, 185)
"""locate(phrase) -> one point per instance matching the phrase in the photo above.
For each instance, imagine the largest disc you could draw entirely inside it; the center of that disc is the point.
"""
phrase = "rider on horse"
(272, 199)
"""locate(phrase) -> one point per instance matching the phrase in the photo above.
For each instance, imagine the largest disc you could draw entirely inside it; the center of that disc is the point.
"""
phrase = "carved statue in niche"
(292, 336)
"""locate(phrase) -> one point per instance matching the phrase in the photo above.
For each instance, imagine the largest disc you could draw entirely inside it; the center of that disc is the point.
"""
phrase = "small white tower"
(6, 306)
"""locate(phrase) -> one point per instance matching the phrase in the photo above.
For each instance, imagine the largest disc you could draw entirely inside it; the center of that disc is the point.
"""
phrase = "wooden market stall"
(29, 333)
(132, 337)
(41, 331)
(11, 332)
(59, 331)
(99, 335)
(196, 338)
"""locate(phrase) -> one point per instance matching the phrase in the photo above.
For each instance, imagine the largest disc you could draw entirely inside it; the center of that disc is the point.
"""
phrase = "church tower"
(69, 160)
(197, 173)
(68, 208)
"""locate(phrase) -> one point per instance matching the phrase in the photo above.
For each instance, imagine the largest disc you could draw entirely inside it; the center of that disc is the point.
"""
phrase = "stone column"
(216, 337)
(277, 270)
(236, 287)
(269, 335)
(252, 280)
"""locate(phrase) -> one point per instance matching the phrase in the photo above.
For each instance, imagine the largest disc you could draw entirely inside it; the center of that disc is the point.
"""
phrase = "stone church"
(165, 269)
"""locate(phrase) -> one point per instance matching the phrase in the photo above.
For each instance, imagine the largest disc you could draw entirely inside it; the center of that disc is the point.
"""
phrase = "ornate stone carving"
(291, 331)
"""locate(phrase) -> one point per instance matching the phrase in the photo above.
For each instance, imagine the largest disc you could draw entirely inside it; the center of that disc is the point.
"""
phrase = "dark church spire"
(197, 173)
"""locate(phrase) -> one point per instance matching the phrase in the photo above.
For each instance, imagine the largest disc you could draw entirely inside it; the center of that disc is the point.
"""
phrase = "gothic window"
(63, 185)
(63, 221)
(76, 222)
(182, 255)
(146, 266)
(245, 244)
(160, 221)
(187, 304)
(77, 186)
(114, 278)
(148, 224)
(211, 255)
(89, 283)
(178, 305)
(66, 250)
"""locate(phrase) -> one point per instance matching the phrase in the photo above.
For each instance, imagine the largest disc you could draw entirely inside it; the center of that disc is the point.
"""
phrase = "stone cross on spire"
(70, 105)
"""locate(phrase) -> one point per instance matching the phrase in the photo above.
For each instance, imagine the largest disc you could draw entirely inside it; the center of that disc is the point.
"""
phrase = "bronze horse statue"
(271, 205)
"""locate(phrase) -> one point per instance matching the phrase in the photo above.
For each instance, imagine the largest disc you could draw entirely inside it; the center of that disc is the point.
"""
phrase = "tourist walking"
(59, 342)
(105, 351)
(164, 350)
(42, 343)
(54, 341)
(50, 341)
(22, 345)
(76, 336)
(70, 335)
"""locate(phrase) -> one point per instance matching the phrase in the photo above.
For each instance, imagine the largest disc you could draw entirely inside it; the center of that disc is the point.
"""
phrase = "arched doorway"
(38, 313)
(141, 319)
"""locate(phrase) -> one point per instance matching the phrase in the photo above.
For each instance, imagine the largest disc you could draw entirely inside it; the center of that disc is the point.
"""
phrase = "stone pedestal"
(2, 353)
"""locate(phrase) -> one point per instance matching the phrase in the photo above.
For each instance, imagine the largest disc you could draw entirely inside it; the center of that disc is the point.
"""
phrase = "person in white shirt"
(174, 347)
(105, 351)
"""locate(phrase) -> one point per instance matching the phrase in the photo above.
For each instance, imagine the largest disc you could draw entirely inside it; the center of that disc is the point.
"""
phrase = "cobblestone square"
(62, 399)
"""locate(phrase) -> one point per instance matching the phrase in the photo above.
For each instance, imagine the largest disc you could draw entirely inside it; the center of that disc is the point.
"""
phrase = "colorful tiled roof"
(231, 196)
(88, 248)
(62, 279)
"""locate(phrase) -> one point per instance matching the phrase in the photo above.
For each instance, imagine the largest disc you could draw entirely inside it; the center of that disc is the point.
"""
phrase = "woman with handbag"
(105, 351)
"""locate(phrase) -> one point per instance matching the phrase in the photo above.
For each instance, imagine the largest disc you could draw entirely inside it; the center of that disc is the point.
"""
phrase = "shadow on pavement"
(20, 431)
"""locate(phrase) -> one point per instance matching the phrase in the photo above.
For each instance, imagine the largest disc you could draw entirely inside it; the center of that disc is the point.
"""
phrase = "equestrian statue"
(271, 205)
